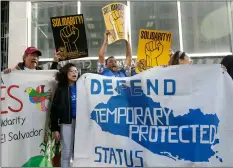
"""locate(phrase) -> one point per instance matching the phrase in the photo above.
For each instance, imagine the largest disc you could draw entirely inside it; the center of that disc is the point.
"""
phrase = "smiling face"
(72, 74)
(111, 64)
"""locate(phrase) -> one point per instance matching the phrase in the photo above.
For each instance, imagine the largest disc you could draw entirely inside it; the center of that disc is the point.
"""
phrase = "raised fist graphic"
(153, 50)
(69, 36)
(117, 21)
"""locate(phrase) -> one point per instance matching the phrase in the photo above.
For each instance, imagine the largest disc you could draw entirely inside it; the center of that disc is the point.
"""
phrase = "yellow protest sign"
(153, 49)
(115, 18)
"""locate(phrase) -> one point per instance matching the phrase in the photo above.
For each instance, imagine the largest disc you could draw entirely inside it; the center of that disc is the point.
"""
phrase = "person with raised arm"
(31, 60)
(109, 66)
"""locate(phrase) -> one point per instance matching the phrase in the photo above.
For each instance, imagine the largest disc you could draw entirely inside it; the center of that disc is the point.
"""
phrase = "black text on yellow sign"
(153, 49)
(66, 21)
(113, 7)
(156, 36)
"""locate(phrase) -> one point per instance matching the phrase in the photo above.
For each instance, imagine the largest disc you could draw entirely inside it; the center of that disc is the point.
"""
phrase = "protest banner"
(25, 137)
(115, 18)
(70, 36)
(153, 49)
(179, 116)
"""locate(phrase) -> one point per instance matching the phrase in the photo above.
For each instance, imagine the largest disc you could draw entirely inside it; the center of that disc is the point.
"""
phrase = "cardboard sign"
(115, 18)
(153, 49)
(70, 36)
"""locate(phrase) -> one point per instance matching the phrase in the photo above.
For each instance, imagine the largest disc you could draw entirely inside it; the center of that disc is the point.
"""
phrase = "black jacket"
(61, 112)
(20, 66)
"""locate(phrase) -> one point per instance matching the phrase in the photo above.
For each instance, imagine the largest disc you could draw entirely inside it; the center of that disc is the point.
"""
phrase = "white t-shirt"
(27, 69)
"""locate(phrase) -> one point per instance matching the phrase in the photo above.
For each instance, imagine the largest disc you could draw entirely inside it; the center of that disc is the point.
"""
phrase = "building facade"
(202, 29)
(4, 33)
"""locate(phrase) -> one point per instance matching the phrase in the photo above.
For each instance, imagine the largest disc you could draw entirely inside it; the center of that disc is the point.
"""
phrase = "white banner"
(175, 116)
(25, 98)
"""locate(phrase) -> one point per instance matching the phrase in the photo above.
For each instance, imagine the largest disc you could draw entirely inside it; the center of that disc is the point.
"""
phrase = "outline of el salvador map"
(191, 146)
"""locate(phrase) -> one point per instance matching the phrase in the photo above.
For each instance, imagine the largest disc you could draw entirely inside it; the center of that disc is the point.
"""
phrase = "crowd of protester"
(63, 110)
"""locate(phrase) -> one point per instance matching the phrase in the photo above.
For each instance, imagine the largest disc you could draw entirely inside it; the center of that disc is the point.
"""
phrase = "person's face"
(112, 64)
(186, 60)
(31, 60)
(72, 74)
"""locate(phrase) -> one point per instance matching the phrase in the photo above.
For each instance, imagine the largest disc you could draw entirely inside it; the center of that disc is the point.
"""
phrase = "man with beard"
(109, 66)
(31, 60)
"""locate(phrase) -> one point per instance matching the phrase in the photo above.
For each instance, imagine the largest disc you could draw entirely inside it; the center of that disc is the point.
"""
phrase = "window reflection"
(154, 15)
(205, 27)
(42, 35)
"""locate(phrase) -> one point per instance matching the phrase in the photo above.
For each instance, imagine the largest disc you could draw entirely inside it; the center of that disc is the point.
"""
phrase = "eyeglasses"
(75, 71)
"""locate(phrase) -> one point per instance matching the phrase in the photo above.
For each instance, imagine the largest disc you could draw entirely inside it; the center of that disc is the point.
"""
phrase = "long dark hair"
(61, 76)
(176, 57)
(227, 61)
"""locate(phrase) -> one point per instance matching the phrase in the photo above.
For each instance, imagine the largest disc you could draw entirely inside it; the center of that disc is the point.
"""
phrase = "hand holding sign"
(153, 50)
(56, 56)
(69, 36)
(141, 65)
(117, 21)
(112, 35)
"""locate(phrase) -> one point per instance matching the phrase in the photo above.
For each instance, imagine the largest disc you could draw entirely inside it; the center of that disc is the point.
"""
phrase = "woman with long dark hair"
(227, 64)
(179, 58)
(63, 111)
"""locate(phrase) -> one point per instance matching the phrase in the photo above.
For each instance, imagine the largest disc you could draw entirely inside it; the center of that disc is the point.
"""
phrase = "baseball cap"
(31, 50)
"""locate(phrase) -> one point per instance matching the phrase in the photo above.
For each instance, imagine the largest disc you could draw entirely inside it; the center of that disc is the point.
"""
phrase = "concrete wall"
(18, 31)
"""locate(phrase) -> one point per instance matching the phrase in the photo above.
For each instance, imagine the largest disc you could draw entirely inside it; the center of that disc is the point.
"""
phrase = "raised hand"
(56, 56)
(6, 71)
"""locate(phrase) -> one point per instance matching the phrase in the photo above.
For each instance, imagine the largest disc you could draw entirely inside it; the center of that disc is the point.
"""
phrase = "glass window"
(95, 28)
(205, 27)
(42, 35)
(231, 8)
(154, 15)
